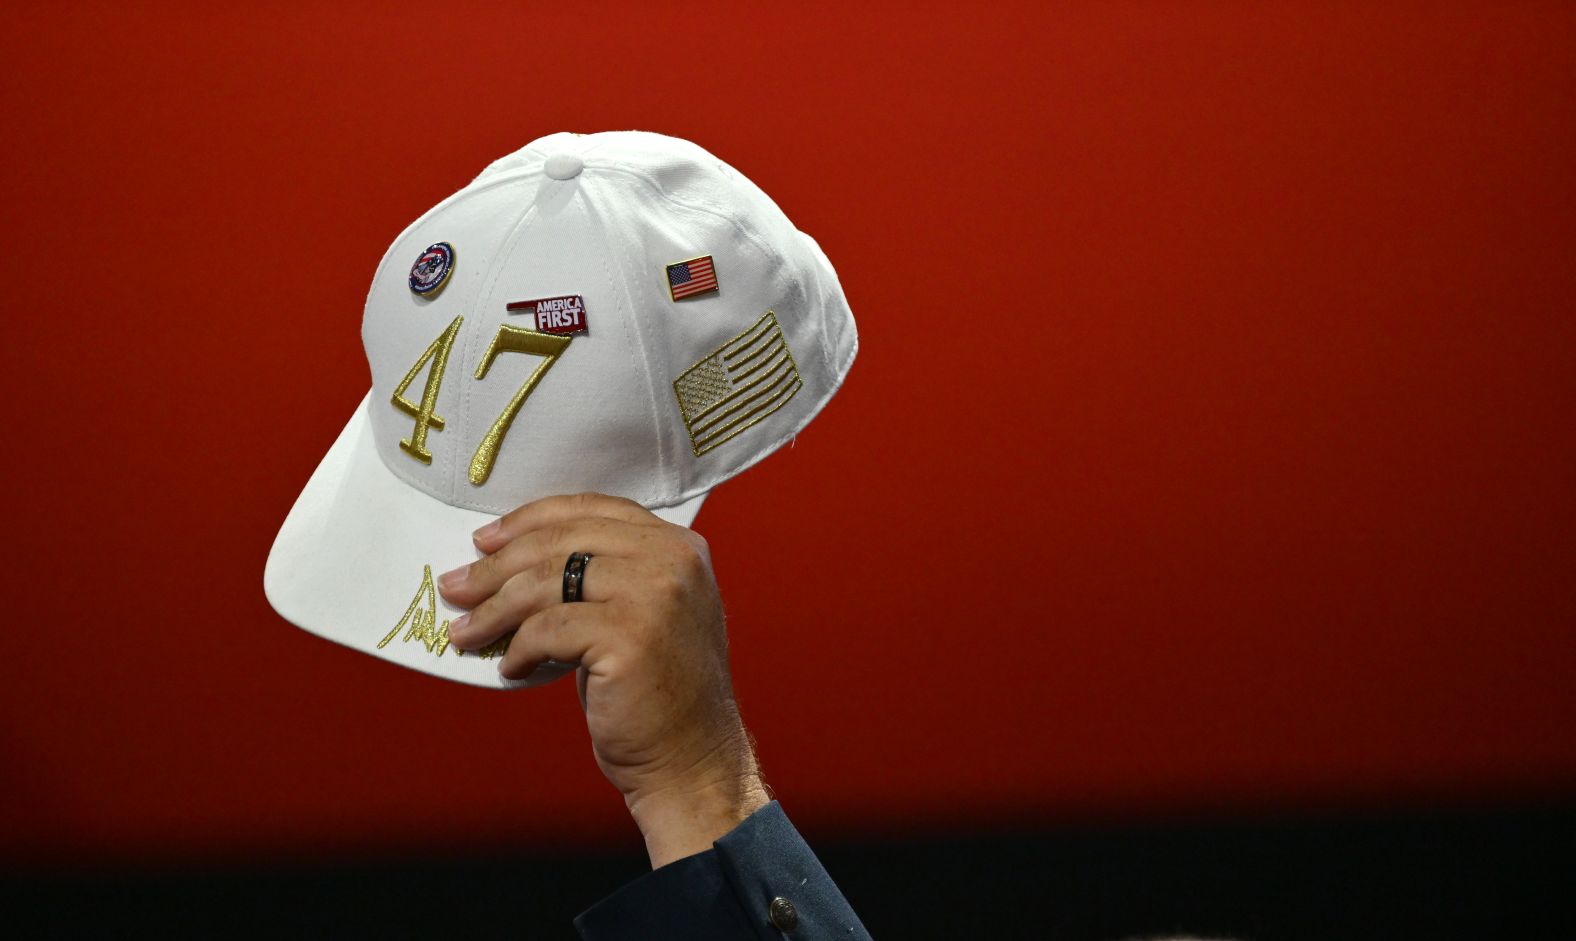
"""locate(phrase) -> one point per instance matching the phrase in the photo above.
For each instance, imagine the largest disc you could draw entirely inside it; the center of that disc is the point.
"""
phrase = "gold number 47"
(508, 339)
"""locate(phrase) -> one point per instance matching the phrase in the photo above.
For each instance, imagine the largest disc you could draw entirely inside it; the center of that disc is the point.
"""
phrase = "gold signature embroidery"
(419, 624)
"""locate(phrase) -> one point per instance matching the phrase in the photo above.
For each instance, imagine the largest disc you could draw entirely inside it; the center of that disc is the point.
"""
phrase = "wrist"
(685, 818)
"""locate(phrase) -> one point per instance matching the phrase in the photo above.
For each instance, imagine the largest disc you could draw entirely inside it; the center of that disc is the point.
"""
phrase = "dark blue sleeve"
(731, 891)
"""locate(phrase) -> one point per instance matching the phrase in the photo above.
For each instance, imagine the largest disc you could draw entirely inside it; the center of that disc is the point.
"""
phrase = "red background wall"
(1209, 445)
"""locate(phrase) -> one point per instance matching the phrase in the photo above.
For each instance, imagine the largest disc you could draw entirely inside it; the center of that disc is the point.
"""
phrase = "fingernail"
(486, 532)
(448, 580)
(458, 624)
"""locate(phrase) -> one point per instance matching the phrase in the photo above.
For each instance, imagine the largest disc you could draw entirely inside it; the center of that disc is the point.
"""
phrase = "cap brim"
(353, 560)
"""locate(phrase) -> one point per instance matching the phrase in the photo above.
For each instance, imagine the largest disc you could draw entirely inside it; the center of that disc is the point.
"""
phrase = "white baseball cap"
(618, 312)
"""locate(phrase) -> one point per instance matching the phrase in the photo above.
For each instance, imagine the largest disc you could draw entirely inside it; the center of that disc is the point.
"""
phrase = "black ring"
(575, 575)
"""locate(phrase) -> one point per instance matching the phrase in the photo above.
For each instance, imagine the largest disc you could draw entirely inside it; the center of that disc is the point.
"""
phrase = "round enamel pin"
(431, 271)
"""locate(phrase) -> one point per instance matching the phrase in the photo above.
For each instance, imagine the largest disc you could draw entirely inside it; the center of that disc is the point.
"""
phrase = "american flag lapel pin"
(693, 277)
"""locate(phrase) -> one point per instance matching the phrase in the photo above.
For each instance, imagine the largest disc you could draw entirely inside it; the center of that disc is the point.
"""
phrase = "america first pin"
(431, 271)
(564, 315)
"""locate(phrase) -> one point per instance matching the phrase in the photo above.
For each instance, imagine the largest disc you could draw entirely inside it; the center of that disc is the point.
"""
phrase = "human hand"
(652, 650)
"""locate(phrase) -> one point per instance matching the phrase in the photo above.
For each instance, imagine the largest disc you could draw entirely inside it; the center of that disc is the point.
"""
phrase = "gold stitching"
(778, 379)
(701, 388)
(767, 348)
(739, 343)
(421, 614)
(770, 363)
(711, 438)
(512, 339)
(723, 381)
(416, 445)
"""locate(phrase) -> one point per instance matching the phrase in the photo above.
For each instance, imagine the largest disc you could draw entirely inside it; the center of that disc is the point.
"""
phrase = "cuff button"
(782, 914)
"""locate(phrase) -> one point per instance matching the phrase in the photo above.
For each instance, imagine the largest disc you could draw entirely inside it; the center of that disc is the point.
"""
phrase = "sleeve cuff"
(738, 888)
(668, 904)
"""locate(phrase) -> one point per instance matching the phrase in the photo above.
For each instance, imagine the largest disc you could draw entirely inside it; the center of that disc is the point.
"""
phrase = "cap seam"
(494, 273)
(784, 277)
(733, 221)
(750, 233)
(638, 353)
(643, 360)
(475, 186)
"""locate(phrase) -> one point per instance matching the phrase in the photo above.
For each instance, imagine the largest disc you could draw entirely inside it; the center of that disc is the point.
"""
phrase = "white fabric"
(604, 417)
(351, 555)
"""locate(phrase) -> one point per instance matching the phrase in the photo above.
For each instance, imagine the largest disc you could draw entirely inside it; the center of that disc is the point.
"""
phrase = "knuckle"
(559, 618)
(556, 535)
(670, 547)
(668, 582)
(546, 569)
(482, 617)
(626, 503)
(515, 591)
(514, 516)
(635, 618)
(689, 556)
(674, 588)
(489, 567)
(555, 502)
(698, 543)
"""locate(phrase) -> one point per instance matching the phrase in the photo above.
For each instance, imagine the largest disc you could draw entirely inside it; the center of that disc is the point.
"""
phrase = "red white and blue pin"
(564, 315)
(691, 278)
(431, 271)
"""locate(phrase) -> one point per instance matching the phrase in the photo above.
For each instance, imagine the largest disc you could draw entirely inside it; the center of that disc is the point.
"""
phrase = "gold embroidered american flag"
(740, 383)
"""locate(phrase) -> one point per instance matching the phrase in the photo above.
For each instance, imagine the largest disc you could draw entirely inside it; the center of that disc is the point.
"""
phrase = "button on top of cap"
(564, 166)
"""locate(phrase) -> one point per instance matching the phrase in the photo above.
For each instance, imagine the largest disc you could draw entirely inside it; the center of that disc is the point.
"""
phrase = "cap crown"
(659, 399)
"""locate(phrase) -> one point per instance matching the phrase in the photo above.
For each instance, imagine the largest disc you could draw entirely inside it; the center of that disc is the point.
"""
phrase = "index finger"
(550, 510)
